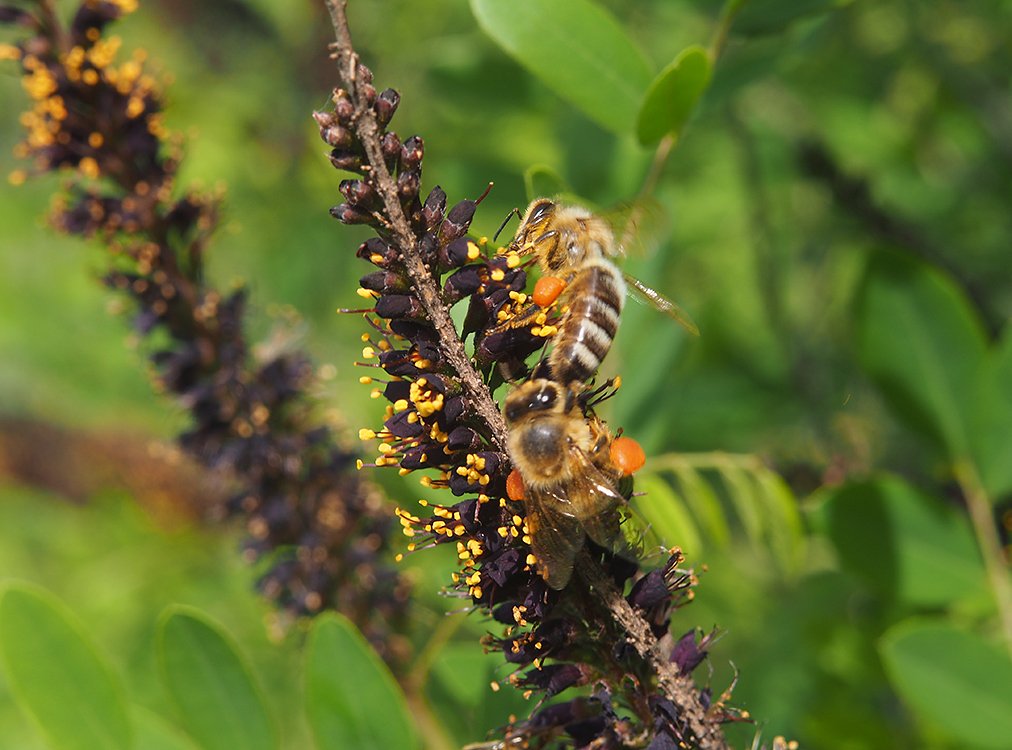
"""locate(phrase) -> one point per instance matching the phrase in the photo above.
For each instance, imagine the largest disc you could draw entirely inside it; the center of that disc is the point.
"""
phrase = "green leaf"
(760, 17)
(953, 679)
(665, 511)
(58, 676)
(991, 435)
(673, 95)
(784, 527)
(155, 733)
(909, 546)
(704, 503)
(744, 497)
(577, 49)
(219, 702)
(351, 698)
(923, 345)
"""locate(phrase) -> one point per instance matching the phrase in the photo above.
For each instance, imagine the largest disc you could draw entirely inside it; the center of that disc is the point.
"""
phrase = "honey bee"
(569, 481)
(574, 248)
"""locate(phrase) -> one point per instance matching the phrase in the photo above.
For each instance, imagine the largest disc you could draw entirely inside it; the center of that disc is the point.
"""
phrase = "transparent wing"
(555, 539)
(640, 226)
(643, 293)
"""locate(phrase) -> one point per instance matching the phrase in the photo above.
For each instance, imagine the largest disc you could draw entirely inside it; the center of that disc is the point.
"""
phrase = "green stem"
(632, 221)
(727, 15)
(982, 516)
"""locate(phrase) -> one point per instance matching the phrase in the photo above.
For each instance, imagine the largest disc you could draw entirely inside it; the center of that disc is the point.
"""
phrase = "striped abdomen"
(595, 296)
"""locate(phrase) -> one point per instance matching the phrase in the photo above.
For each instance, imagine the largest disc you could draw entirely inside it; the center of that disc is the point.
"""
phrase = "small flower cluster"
(556, 639)
(321, 530)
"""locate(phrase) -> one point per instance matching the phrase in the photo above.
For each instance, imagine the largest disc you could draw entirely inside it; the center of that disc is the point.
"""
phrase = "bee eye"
(544, 399)
(541, 211)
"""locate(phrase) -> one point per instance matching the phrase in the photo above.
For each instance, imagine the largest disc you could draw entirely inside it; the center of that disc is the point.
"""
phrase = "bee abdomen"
(595, 295)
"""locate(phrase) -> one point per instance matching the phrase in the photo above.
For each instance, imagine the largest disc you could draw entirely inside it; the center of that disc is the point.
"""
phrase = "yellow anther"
(473, 251)
(497, 274)
(366, 293)
(512, 259)
(368, 352)
(401, 404)
(366, 434)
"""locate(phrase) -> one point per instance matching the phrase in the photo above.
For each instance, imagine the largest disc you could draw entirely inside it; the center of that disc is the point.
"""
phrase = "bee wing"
(556, 537)
(593, 499)
(640, 226)
(643, 293)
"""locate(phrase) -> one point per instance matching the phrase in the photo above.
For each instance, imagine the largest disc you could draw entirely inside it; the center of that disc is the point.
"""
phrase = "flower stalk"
(609, 628)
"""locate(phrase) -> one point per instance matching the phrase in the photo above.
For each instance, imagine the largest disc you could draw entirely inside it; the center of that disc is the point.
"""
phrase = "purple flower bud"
(377, 252)
(462, 439)
(384, 282)
(347, 214)
(554, 678)
(457, 221)
(453, 408)
(345, 159)
(386, 105)
(408, 184)
(686, 654)
(414, 331)
(363, 74)
(455, 254)
(434, 208)
(391, 147)
(401, 427)
(463, 282)
(412, 152)
(343, 107)
(398, 306)
(359, 192)
(397, 390)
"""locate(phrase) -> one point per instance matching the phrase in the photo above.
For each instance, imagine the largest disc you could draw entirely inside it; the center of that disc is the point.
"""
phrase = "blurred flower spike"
(320, 530)
(555, 639)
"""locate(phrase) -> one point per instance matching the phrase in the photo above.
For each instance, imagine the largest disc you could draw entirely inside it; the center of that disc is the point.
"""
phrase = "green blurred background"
(824, 138)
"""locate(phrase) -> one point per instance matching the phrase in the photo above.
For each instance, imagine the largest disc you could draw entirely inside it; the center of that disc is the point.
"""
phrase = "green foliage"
(58, 676)
(991, 417)
(218, 699)
(708, 492)
(344, 681)
(773, 258)
(673, 96)
(761, 17)
(577, 49)
(907, 546)
(953, 679)
(922, 344)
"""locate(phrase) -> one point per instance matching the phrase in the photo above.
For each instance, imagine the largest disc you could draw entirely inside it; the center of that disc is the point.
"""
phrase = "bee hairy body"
(595, 296)
(570, 484)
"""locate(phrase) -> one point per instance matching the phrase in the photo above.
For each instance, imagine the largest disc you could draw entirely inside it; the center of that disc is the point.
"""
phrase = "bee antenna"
(488, 190)
(513, 212)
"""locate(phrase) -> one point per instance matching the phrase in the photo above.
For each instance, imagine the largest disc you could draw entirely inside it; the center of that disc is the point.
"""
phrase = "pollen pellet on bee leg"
(627, 455)
(547, 290)
(515, 486)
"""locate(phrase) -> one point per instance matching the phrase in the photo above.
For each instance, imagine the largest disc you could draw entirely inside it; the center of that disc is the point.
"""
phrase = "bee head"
(539, 210)
(537, 397)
